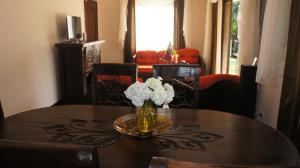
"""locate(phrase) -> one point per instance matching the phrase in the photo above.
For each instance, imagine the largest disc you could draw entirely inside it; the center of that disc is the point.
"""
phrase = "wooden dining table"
(201, 136)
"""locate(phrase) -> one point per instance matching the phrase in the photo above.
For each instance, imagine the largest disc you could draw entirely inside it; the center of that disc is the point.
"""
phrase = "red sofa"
(229, 93)
(145, 59)
(221, 92)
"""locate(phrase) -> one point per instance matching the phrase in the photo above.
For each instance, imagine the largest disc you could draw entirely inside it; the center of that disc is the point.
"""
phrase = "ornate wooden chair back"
(110, 81)
(19, 154)
(185, 80)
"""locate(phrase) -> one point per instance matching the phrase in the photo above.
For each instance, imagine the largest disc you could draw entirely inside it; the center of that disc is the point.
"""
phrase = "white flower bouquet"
(152, 89)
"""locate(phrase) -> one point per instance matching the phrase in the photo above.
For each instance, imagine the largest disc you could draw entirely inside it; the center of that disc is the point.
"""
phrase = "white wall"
(109, 16)
(28, 60)
(198, 24)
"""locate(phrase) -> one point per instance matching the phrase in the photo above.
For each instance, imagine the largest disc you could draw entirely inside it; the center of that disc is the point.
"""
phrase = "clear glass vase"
(146, 117)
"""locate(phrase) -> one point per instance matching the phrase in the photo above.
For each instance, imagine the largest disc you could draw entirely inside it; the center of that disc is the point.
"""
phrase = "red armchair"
(230, 93)
(188, 55)
(192, 56)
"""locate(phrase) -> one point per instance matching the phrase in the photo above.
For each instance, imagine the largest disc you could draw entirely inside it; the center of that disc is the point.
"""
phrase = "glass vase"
(146, 117)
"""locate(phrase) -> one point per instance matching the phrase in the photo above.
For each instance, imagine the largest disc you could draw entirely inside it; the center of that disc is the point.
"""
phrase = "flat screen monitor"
(73, 26)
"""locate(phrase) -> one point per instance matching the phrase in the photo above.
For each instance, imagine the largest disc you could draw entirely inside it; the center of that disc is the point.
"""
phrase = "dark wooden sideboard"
(76, 63)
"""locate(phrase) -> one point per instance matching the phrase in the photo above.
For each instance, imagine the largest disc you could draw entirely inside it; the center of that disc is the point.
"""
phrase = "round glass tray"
(127, 125)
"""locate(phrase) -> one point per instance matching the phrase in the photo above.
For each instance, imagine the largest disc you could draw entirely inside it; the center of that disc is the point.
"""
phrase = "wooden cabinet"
(76, 64)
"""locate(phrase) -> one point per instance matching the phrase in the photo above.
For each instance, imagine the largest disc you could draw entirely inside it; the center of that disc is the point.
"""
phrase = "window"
(233, 65)
(154, 24)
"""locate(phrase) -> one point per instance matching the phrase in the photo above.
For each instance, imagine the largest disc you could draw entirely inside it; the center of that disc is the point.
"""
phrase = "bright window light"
(154, 25)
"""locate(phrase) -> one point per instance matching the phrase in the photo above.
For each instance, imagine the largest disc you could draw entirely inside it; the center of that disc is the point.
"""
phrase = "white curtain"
(274, 42)
(272, 60)
(123, 23)
(187, 22)
(248, 31)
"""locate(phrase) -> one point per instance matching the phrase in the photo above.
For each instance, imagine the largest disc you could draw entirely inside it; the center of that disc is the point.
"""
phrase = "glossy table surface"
(202, 136)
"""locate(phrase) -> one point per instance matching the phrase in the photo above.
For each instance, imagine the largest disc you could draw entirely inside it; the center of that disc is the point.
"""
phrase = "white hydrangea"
(169, 92)
(151, 89)
(138, 93)
(159, 78)
(159, 96)
(153, 83)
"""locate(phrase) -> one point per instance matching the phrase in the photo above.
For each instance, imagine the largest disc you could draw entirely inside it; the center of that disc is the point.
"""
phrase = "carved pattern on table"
(186, 137)
(83, 132)
(102, 133)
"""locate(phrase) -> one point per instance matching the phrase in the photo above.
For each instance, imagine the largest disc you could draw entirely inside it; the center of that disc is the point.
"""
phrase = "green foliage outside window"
(235, 44)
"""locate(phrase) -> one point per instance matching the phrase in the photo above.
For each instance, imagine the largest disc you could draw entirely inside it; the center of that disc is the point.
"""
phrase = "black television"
(74, 27)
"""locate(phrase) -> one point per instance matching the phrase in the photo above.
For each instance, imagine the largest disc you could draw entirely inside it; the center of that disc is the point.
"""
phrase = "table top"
(202, 136)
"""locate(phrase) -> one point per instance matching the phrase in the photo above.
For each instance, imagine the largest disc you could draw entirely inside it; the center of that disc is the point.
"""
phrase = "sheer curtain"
(178, 24)
(272, 59)
(154, 24)
(123, 23)
(187, 21)
(130, 37)
(273, 42)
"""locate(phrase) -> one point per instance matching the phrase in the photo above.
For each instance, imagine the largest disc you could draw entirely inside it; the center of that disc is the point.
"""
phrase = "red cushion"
(122, 79)
(147, 57)
(189, 55)
(145, 69)
(208, 80)
(188, 52)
